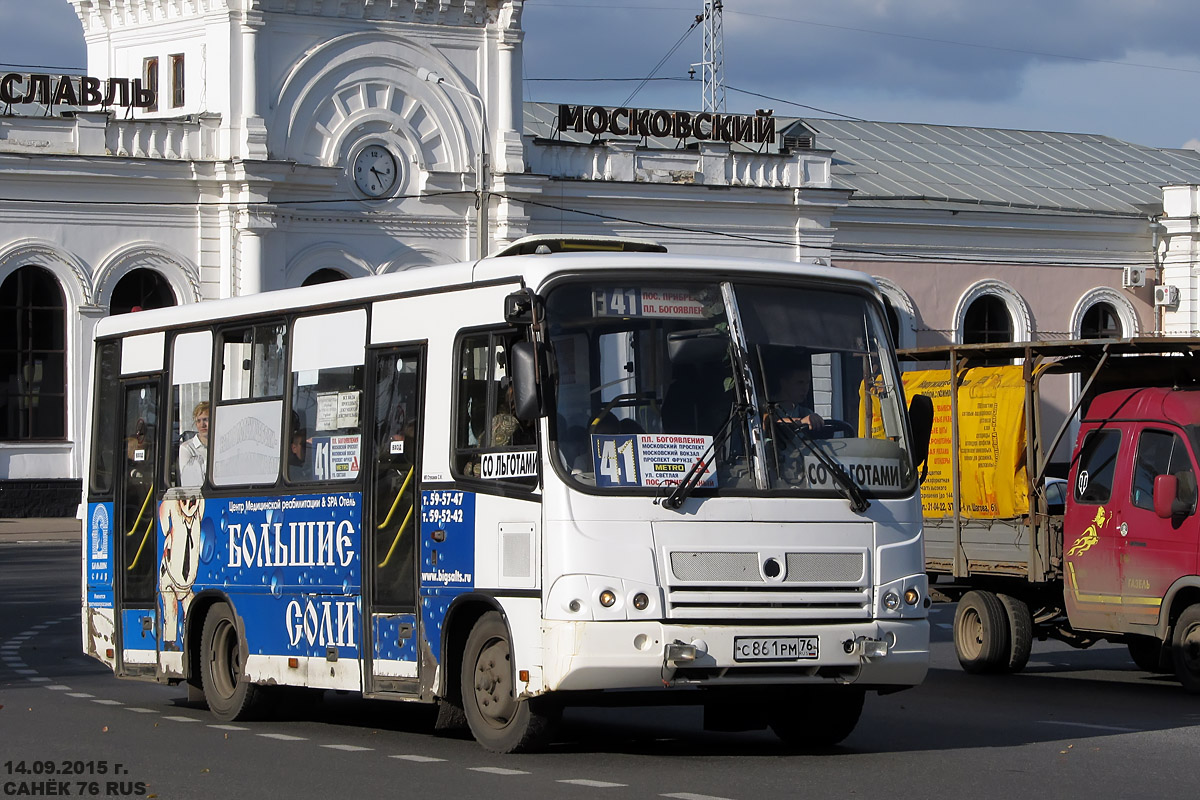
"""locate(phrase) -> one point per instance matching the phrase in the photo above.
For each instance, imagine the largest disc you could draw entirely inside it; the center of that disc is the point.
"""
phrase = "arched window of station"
(1104, 313)
(992, 311)
(1100, 321)
(901, 312)
(325, 275)
(893, 321)
(987, 321)
(33, 356)
(140, 289)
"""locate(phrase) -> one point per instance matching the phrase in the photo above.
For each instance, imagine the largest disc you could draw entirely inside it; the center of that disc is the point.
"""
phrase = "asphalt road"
(1074, 724)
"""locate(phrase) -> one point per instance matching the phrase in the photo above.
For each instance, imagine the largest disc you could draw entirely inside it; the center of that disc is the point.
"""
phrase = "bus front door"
(135, 529)
(393, 658)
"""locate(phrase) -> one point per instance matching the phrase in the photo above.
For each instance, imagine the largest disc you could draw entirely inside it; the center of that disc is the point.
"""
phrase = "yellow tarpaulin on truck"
(991, 442)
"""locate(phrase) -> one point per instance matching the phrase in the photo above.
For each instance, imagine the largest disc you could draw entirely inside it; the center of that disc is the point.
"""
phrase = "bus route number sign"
(642, 302)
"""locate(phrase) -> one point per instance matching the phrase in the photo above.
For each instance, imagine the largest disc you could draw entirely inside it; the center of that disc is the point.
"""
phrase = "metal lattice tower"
(713, 63)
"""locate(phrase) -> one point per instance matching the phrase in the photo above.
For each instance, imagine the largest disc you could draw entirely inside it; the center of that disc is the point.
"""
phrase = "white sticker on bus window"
(869, 473)
(650, 459)
(499, 466)
(327, 408)
(336, 458)
(308, 377)
(397, 447)
(347, 409)
(139, 455)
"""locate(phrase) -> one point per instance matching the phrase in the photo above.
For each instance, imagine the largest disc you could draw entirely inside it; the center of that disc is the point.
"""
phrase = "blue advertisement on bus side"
(99, 556)
(292, 566)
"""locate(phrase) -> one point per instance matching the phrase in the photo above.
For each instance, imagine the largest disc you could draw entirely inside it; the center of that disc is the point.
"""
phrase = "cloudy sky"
(1124, 68)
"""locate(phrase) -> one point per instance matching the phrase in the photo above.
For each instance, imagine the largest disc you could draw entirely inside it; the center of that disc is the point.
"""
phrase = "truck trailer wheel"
(1185, 649)
(981, 637)
(1020, 632)
(499, 720)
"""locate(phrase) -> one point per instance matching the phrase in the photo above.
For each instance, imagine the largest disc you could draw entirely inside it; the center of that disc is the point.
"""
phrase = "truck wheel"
(499, 720)
(1020, 632)
(981, 632)
(817, 717)
(1185, 649)
(1151, 656)
(222, 661)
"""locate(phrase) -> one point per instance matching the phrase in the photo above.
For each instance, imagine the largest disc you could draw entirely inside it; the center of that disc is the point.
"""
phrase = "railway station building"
(216, 148)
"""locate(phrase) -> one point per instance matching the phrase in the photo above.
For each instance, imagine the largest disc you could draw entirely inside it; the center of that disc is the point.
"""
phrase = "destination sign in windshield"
(639, 302)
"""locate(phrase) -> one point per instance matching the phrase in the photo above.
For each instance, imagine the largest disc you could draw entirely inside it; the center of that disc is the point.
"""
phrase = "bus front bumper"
(626, 655)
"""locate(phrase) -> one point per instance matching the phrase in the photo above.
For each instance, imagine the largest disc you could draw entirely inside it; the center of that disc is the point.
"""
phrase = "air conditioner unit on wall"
(1165, 295)
(1133, 277)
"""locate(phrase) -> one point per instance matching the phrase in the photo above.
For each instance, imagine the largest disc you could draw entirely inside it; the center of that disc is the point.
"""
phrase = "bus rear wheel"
(222, 662)
(499, 720)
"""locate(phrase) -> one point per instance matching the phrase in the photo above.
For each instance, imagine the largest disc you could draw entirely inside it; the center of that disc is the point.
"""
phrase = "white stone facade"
(247, 184)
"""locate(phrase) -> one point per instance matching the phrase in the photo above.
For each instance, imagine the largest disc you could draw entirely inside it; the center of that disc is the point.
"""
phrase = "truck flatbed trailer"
(1009, 572)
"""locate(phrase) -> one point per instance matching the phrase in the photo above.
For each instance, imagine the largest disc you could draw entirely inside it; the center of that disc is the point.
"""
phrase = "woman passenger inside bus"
(193, 452)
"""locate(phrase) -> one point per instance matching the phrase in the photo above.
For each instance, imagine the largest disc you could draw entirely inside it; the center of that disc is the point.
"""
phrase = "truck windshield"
(752, 377)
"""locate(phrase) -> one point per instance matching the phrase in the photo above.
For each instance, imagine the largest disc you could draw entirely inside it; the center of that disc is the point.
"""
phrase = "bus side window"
(247, 421)
(485, 422)
(191, 370)
(325, 433)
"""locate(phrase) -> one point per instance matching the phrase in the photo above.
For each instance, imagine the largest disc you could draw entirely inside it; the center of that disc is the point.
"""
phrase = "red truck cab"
(1131, 532)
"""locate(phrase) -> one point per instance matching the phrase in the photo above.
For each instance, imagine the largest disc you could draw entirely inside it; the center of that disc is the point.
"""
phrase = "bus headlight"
(641, 601)
(891, 601)
(912, 596)
(607, 598)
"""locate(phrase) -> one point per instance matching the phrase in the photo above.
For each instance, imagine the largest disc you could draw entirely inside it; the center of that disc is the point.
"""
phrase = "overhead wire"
(832, 248)
(663, 60)
(564, 208)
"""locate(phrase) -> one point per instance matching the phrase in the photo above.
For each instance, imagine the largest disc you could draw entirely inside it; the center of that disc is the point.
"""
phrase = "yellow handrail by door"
(400, 530)
(396, 503)
(145, 536)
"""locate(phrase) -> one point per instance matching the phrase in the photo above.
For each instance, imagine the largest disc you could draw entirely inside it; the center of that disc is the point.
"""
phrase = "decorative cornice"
(103, 15)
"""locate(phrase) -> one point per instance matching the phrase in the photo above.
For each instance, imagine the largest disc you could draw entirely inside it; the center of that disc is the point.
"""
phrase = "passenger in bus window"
(298, 466)
(193, 453)
(506, 428)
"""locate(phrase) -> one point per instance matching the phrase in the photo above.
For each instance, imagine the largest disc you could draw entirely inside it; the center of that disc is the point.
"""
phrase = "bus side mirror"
(528, 361)
(920, 416)
(520, 308)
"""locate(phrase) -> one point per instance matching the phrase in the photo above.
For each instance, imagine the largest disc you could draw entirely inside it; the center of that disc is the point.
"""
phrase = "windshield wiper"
(695, 475)
(846, 485)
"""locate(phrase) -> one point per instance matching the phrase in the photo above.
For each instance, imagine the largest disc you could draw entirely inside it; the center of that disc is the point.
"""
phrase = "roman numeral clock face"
(375, 171)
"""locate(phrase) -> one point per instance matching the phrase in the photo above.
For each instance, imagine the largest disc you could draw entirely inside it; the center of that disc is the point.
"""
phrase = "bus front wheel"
(222, 661)
(498, 719)
(816, 717)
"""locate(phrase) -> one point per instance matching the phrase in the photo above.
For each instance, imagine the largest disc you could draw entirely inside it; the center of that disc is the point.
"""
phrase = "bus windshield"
(776, 386)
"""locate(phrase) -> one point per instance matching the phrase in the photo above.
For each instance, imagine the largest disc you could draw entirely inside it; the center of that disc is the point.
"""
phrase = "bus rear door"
(135, 528)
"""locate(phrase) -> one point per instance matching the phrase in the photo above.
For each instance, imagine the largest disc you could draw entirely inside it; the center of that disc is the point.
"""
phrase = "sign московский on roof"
(704, 126)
